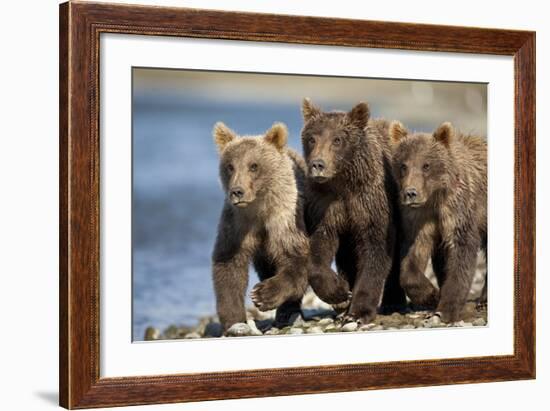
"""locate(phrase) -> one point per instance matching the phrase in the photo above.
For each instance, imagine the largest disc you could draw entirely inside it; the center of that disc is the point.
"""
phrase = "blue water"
(177, 200)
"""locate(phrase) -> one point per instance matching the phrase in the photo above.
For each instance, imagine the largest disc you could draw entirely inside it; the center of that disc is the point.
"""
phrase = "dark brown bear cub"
(351, 207)
(443, 193)
(261, 222)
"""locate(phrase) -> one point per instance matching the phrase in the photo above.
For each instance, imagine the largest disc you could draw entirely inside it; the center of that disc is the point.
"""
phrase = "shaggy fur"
(443, 194)
(351, 209)
(262, 222)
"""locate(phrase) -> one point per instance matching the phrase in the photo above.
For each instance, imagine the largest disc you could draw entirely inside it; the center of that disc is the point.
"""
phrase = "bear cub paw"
(269, 294)
(449, 315)
(331, 289)
(366, 316)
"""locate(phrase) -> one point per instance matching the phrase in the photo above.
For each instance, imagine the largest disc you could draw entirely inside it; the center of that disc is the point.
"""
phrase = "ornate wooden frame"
(80, 27)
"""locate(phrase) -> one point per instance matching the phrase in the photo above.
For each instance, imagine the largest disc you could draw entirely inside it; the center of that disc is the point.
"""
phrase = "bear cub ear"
(309, 110)
(444, 134)
(397, 131)
(222, 135)
(277, 135)
(359, 115)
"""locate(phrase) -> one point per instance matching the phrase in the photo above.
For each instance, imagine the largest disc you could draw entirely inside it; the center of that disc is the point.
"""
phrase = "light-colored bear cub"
(262, 222)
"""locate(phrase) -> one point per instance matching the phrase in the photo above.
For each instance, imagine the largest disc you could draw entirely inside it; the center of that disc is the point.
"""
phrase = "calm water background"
(177, 197)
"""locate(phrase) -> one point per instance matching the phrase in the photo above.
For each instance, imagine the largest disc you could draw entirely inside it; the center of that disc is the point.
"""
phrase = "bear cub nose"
(411, 193)
(237, 192)
(318, 165)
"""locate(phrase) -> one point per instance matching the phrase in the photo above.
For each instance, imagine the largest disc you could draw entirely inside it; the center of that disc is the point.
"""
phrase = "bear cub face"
(421, 163)
(246, 165)
(329, 139)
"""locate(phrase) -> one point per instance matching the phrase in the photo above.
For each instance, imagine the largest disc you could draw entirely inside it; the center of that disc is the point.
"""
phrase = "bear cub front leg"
(373, 267)
(460, 270)
(230, 282)
(413, 279)
(327, 284)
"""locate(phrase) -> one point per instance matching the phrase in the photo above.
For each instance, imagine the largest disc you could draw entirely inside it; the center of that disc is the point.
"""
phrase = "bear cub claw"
(348, 317)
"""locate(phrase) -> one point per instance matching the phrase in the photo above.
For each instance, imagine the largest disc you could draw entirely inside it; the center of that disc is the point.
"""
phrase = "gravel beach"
(316, 318)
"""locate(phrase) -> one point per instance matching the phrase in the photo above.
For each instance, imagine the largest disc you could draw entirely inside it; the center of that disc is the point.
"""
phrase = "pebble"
(367, 327)
(213, 330)
(433, 321)
(349, 327)
(314, 330)
(192, 335)
(272, 331)
(331, 330)
(408, 327)
(377, 328)
(152, 333)
(172, 332)
(326, 321)
(419, 323)
(296, 331)
(201, 328)
(239, 330)
(298, 322)
(479, 322)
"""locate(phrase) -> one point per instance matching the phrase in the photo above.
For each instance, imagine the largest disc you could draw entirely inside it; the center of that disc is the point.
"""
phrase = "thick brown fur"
(261, 222)
(443, 194)
(351, 208)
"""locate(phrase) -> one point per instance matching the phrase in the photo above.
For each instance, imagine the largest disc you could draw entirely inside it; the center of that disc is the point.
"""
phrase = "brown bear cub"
(351, 209)
(261, 222)
(443, 194)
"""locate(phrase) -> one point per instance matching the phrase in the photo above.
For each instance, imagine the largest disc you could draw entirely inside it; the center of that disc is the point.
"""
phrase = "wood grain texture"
(63, 205)
(80, 27)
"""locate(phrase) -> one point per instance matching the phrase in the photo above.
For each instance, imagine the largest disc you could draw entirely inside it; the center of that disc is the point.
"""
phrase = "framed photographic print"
(256, 205)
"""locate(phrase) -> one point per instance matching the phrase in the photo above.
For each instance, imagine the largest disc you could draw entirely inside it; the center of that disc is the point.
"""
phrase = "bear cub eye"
(253, 167)
(426, 167)
(311, 140)
(230, 168)
(403, 167)
(337, 141)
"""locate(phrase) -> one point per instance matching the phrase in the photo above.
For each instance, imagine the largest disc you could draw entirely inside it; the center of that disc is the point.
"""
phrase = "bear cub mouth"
(240, 204)
(413, 205)
(319, 179)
